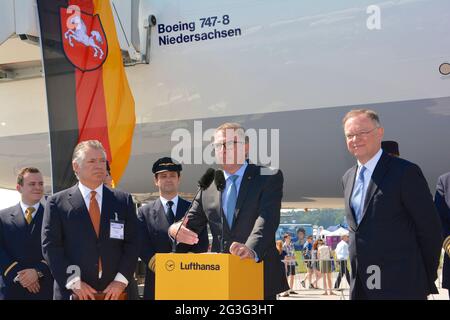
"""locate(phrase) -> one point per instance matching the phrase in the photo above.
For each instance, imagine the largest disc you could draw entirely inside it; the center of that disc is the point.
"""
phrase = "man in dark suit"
(395, 241)
(251, 209)
(156, 217)
(25, 272)
(89, 233)
(442, 201)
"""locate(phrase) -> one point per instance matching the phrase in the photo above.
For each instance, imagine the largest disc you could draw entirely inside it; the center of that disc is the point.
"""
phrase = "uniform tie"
(29, 214)
(170, 214)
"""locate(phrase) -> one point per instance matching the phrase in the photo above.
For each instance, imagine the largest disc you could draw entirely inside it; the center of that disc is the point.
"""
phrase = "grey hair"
(79, 152)
(372, 115)
(239, 129)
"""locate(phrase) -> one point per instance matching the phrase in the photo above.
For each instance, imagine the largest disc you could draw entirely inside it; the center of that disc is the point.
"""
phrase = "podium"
(207, 276)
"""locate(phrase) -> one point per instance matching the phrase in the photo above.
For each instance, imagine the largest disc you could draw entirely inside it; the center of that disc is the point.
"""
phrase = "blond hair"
(372, 115)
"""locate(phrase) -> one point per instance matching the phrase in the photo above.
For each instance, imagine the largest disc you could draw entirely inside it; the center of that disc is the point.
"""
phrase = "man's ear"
(75, 167)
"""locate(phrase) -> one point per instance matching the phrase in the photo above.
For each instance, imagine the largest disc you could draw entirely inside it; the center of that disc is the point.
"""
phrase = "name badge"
(116, 229)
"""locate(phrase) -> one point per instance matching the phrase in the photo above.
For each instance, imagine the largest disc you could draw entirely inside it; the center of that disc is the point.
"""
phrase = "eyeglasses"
(361, 134)
(227, 145)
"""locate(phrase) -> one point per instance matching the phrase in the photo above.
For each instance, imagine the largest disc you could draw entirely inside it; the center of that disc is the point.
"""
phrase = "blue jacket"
(69, 239)
(20, 248)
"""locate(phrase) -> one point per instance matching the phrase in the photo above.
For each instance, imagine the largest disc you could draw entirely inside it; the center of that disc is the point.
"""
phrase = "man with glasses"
(251, 205)
(394, 227)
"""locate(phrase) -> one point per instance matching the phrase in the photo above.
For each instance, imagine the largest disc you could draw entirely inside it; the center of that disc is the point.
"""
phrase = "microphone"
(203, 184)
(219, 181)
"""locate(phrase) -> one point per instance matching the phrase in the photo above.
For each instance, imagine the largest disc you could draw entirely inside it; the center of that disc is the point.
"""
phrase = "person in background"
(316, 263)
(290, 262)
(306, 253)
(324, 256)
(279, 245)
(391, 148)
(342, 257)
(298, 245)
(156, 217)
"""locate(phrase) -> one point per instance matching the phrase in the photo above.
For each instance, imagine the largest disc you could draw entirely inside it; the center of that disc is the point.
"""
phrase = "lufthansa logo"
(170, 265)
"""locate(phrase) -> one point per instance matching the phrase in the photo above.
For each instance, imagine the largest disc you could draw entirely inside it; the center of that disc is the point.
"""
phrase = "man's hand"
(242, 251)
(84, 291)
(27, 277)
(114, 289)
(184, 235)
(34, 287)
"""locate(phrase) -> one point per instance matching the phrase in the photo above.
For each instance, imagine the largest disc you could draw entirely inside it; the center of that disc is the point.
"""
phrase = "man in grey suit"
(395, 238)
(251, 209)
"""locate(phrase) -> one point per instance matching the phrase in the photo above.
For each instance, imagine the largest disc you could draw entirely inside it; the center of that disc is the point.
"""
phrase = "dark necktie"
(170, 214)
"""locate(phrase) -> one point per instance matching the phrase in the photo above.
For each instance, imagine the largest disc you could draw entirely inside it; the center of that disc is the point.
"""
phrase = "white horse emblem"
(79, 33)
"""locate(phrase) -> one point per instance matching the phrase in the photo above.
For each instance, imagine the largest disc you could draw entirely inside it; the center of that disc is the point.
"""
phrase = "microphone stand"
(174, 244)
(222, 249)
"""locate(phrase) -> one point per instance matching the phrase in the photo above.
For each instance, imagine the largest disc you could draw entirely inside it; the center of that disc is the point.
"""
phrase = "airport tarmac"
(343, 293)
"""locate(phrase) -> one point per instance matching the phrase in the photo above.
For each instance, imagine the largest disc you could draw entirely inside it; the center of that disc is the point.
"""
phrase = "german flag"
(88, 95)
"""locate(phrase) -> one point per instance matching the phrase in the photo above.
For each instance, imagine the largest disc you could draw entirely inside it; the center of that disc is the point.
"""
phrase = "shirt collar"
(25, 207)
(239, 173)
(164, 201)
(86, 192)
(372, 163)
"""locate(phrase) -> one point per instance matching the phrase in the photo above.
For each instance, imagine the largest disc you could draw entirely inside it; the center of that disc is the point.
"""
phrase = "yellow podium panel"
(207, 276)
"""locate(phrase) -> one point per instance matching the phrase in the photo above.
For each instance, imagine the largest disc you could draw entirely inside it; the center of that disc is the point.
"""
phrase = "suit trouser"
(342, 270)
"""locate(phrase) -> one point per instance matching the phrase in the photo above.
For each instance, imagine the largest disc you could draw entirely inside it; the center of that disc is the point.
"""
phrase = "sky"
(8, 198)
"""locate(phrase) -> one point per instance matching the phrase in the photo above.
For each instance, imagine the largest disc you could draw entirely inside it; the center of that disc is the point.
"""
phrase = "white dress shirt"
(166, 207)
(86, 194)
(342, 250)
(25, 207)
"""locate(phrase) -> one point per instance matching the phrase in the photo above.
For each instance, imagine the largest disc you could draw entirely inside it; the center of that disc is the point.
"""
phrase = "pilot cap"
(166, 164)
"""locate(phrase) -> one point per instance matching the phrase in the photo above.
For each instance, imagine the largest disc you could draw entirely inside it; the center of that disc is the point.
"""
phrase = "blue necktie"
(358, 195)
(231, 200)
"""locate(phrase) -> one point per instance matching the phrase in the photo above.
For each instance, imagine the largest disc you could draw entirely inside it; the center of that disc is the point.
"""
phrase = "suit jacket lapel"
(37, 220)
(107, 213)
(375, 181)
(348, 194)
(79, 206)
(159, 215)
(243, 190)
(181, 209)
(18, 219)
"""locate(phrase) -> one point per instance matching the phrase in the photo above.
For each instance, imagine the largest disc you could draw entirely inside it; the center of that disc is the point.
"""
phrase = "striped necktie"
(29, 214)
